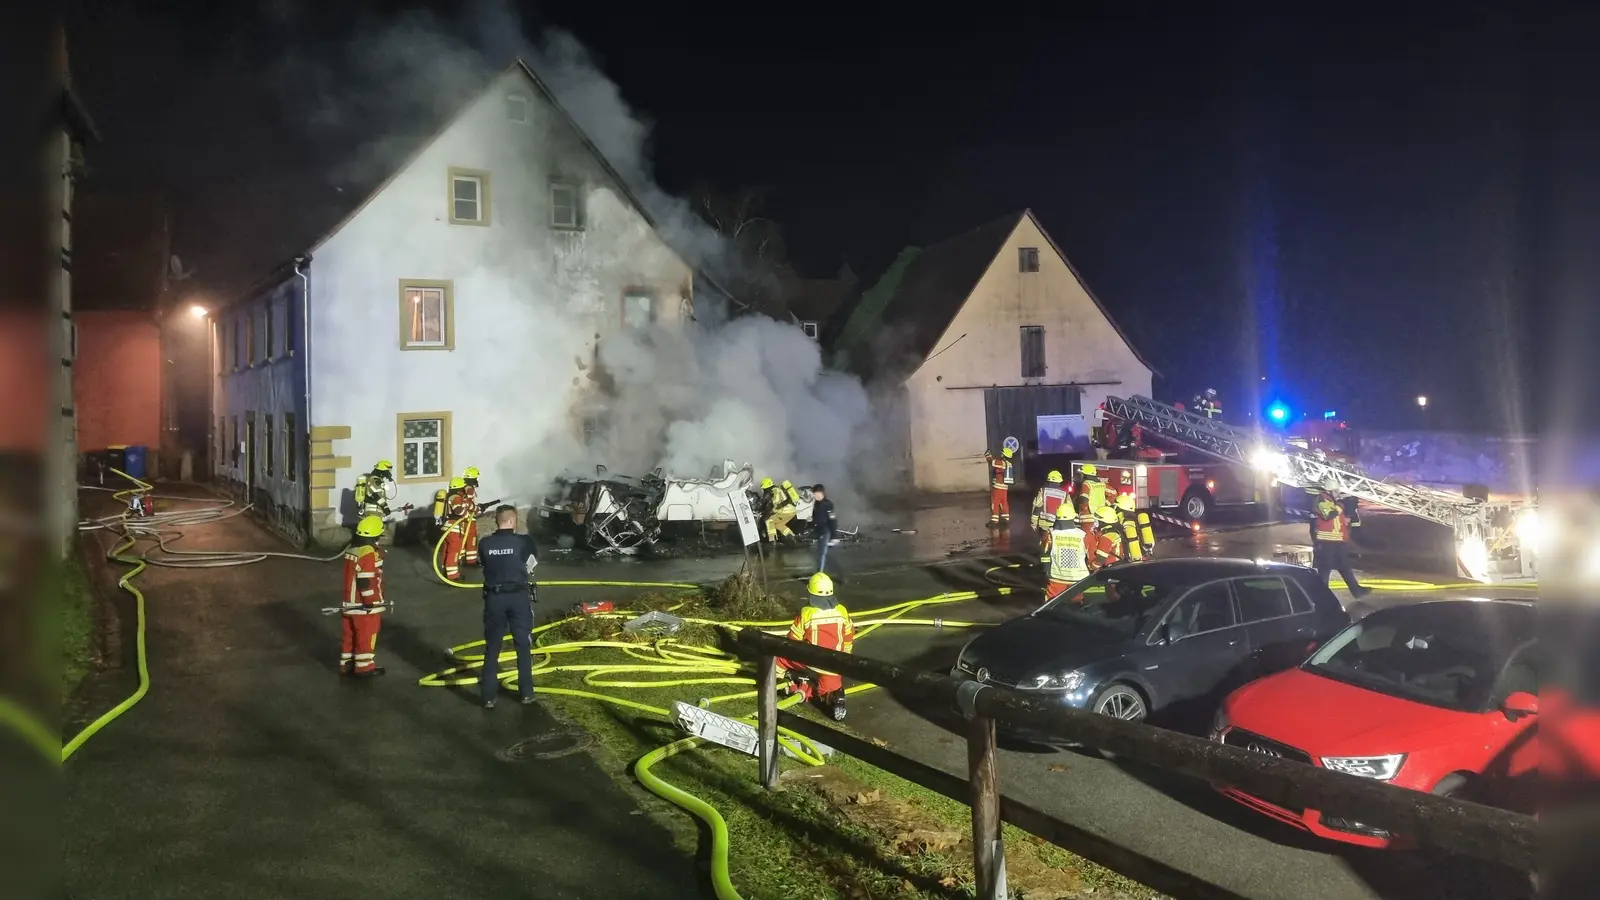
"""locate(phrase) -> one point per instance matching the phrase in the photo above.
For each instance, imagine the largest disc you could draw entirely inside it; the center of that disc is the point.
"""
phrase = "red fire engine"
(1330, 439)
(1171, 477)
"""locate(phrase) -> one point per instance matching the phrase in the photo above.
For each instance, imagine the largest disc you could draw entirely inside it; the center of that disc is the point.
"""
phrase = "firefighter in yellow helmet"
(375, 489)
(1137, 532)
(1106, 545)
(470, 477)
(1047, 504)
(361, 608)
(778, 509)
(1002, 475)
(826, 623)
(1069, 557)
(460, 531)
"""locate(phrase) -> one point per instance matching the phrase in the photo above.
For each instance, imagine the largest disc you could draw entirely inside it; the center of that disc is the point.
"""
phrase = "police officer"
(508, 560)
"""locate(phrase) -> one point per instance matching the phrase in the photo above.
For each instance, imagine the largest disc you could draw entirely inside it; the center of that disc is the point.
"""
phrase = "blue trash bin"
(136, 460)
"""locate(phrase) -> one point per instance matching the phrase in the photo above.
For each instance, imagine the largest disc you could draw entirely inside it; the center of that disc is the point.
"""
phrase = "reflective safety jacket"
(1001, 474)
(1331, 524)
(1068, 558)
(1046, 505)
(1093, 490)
(363, 581)
(778, 498)
(457, 506)
(828, 627)
(370, 496)
(1107, 548)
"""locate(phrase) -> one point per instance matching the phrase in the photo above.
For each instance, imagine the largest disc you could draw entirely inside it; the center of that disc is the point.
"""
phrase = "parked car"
(1439, 696)
(1137, 638)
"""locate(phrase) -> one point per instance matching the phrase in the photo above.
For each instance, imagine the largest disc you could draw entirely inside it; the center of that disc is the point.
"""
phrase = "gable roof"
(932, 291)
(321, 224)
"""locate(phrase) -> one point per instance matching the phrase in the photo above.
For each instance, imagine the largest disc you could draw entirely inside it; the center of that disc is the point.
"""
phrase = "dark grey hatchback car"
(1141, 637)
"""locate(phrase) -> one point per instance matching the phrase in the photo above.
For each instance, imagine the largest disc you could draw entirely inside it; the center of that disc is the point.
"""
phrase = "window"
(268, 323)
(566, 205)
(810, 328)
(250, 336)
(427, 315)
(1027, 259)
(469, 197)
(1261, 598)
(516, 107)
(638, 309)
(1299, 599)
(269, 445)
(221, 441)
(424, 440)
(1033, 351)
(1207, 608)
(233, 344)
(289, 449)
(217, 348)
(233, 441)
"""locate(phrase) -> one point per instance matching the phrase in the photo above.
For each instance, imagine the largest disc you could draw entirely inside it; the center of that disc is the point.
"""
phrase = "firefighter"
(1091, 491)
(1046, 505)
(470, 476)
(362, 607)
(1207, 404)
(1136, 529)
(460, 531)
(778, 509)
(825, 623)
(374, 490)
(1002, 476)
(1107, 540)
(1068, 557)
(1330, 532)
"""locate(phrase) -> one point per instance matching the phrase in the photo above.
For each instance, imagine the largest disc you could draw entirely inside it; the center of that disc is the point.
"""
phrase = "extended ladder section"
(1291, 465)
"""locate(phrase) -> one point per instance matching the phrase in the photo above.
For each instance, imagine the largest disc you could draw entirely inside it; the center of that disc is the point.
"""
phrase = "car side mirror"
(1520, 703)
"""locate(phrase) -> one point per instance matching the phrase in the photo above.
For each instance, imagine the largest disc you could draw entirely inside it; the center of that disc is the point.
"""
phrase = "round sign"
(1011, 444)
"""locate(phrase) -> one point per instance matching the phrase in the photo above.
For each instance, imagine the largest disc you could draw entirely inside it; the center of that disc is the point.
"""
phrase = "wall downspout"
(305, 347)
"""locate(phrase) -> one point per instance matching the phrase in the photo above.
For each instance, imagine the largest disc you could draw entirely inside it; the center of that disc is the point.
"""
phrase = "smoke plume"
(752, 390)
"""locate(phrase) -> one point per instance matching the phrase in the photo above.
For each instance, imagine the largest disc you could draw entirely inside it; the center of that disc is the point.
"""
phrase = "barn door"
(1015, 412)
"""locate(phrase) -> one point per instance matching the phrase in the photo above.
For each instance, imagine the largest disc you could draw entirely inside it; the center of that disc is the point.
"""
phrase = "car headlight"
(1380, 768)
(1069, 681)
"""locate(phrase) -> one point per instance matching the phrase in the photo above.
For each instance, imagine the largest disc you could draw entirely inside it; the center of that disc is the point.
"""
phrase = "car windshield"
(1439, 660)
(1115, 601)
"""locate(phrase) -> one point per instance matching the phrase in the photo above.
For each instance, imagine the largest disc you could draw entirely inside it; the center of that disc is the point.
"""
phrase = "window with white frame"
(469, 197)
(422, 445)
(516, 107)
(810, 328)
(566, 205)
(425, 315)
(638, 309)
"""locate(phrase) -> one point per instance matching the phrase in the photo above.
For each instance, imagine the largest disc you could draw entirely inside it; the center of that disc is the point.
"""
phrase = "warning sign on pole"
(746, 516)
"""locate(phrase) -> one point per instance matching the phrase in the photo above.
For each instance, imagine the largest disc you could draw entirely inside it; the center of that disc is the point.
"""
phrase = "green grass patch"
(75, 624)
(858, 833)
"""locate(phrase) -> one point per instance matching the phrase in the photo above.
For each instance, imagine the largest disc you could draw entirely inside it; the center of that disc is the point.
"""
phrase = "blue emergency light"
(1278, 412)
(1331, 414)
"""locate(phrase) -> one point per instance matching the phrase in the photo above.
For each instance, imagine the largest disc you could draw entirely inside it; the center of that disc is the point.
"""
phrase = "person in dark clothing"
(823, 525)
(508, 560)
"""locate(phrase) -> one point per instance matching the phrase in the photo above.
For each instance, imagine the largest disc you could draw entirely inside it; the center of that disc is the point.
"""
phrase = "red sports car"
(1440, 696)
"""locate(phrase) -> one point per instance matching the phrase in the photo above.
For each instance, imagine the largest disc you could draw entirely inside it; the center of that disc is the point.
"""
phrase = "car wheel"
(1456, 784)
(1196, 504)
(1120, 701)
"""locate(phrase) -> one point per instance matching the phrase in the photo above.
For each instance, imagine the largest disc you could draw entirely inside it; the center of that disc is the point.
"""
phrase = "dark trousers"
(1334, 556)
(513, 612)
(824, 536)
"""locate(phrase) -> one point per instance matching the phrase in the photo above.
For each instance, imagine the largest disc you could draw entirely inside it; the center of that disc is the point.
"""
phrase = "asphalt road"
(251, 770)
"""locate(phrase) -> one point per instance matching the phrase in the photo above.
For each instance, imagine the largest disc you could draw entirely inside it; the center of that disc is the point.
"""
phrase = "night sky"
(1359, 206)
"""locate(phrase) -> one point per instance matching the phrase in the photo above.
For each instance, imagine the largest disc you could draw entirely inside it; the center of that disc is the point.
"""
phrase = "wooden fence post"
(767, 720)
(988, 853)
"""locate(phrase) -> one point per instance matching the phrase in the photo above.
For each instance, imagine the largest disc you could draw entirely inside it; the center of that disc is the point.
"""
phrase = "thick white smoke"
(752, 390)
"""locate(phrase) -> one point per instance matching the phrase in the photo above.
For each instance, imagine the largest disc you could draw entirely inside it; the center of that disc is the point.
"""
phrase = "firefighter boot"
(836, 706)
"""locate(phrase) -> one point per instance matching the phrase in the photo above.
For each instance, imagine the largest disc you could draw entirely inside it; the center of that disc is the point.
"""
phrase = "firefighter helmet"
(766, 483)
(383, 466)
(1054, 477)
(1211, 392)
(1330, 484)
(1125, 502)
(457, 484)
(1006, 452)
(369, 527)
(470, 473)
(1106, 515)
(787, 483)
(820, 585)
(1088, 471)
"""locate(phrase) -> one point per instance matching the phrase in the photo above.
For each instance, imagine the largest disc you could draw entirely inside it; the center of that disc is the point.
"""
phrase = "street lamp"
(198, 311)
(1422, 401)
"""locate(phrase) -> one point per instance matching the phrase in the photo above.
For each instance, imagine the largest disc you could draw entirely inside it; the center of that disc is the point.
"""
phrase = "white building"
(416, 328)
(988, 335)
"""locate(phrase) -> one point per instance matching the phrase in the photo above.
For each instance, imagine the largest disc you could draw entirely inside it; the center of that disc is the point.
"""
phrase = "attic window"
(566, 206)
(516, 107)
(1027, 259)
(469, 197)
(810, 328)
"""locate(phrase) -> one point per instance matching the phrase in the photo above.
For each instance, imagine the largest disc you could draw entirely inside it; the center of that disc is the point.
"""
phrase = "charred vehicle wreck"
(611, 513)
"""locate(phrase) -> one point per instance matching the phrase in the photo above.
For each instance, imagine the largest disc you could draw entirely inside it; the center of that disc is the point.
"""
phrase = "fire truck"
(1166, 475)
(1328, 439)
